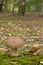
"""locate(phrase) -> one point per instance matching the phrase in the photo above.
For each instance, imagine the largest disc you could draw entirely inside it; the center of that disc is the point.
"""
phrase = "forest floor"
(29, 27)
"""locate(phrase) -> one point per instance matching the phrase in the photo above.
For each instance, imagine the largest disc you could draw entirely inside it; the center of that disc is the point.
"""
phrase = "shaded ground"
(28, 16)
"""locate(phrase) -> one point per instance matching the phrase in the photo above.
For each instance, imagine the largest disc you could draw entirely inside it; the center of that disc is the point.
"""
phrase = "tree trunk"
(13, 5)
(42, 9)
(1, 5)
(22, 5)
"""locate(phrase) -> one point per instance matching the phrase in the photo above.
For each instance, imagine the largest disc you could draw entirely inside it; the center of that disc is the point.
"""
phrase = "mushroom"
(14, 42)
(35, 49)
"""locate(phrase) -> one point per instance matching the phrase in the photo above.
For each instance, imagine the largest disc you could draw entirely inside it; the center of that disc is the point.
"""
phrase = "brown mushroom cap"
(15, 42)
(35, 47)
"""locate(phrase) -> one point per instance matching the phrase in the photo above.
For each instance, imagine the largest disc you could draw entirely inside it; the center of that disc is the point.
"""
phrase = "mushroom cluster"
(14, 42)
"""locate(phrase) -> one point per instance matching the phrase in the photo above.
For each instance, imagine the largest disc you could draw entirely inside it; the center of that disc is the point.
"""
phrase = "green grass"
(22, 60)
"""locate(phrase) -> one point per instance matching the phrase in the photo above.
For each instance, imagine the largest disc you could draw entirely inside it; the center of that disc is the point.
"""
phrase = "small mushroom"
(35, 49)
(14, 42)
(35, 46)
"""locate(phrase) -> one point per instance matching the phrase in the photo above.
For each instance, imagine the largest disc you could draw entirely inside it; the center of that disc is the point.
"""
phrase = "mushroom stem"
(14, 52)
